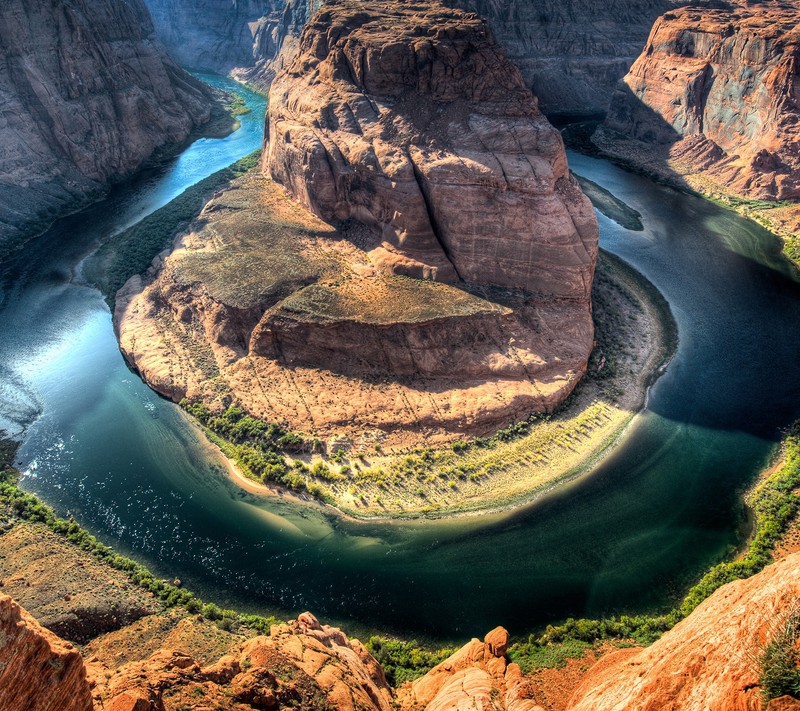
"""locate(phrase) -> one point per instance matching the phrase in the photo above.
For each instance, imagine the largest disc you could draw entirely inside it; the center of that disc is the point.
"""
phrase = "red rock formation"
(718, 87)
(87, 95)
(708, 662)
(410, 120)
(478, 676)
(38, 671)
(300, 664)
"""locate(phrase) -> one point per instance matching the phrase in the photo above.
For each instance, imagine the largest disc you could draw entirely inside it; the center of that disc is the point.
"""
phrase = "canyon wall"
(170, 660)
(88, 95)
(715, 95)
(410, 120)
(570, 53)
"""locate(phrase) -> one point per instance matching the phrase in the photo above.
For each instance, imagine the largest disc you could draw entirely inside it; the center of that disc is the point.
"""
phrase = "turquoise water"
(99, 445)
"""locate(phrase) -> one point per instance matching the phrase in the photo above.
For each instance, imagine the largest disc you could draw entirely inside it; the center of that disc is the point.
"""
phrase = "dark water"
(100, 445)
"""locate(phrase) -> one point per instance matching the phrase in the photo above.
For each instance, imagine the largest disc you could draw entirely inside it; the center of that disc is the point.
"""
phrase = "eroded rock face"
(709, 661)
(477, 677)
(88, 95)
(38, 671)
(571, 53)
(410, 120)
(300, 664)
(716, 91)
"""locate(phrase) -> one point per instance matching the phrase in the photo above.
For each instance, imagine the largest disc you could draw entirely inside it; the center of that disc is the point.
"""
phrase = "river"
(101, 446)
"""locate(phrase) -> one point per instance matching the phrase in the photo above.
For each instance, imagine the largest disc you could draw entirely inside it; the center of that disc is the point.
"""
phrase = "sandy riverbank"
(636, 337)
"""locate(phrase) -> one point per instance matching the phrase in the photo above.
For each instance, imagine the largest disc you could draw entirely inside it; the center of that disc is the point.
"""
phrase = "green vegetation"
(775, 503)
(258, 447)
(531, 657)
(130, 252)
(237, 106)
(780, 661)
(405, 661)
(17, 504)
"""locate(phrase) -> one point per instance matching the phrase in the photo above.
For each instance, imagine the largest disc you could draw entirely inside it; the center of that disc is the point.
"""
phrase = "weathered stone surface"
(304, 330)
(477, 677)
(88, 94)
(716, 92)
(571, 53)
(410, 120)
(300, 664)
(38, 671)
(709, 661)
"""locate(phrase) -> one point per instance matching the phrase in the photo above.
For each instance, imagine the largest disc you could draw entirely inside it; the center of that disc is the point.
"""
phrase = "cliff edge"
(88, 95)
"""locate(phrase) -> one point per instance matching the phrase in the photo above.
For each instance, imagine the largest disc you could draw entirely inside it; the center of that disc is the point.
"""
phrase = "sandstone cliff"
(431, 159)
(715, 96)
(709, 661)
(572, 53)
(411, 121)
(38, 671)
(88, 95)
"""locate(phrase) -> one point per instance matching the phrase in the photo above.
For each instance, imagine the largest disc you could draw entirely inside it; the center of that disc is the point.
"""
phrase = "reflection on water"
(101, 446)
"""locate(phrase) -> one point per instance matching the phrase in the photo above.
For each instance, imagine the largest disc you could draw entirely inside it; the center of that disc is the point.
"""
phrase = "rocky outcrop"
(478, 676)
(410, 120)
(88, 95)
(38, 671)
(709, 661)
(571, 53)
(715, 95)
(300, 664)
(304, 329)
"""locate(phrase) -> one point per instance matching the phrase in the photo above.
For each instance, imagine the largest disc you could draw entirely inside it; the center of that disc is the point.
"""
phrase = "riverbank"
(655, 162)
(636, 336)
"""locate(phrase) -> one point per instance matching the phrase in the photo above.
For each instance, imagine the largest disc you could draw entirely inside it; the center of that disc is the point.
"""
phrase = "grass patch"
(405, 661)
(779, 665)
(130, 252)
(18, 504)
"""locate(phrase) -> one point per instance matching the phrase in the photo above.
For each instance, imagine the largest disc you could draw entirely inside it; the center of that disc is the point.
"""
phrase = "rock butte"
(706, 663)
(716, 93)
(453, 294)
(88, 95)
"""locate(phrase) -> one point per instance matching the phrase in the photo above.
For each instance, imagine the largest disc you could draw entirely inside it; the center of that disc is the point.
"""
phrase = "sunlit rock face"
(718, 89)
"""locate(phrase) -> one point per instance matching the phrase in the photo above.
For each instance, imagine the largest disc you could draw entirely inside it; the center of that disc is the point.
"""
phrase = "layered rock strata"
(38, 671)
(709, 661)
(410, 120)
(453, 293)
(264, 303)
(571, 53)
(715, 96)
(88, 95)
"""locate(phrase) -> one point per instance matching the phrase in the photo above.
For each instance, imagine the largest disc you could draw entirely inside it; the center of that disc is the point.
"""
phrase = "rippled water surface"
(99, 445)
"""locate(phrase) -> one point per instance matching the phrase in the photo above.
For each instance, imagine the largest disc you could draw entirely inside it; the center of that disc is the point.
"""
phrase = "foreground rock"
(708, 662)
(433, 164)
(38, 671)
(478, 676)
(714, 97)
(301, 664)
(88, 95)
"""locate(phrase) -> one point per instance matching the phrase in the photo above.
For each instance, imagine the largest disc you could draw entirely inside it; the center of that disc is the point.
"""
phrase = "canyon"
(713, 102)
(571, 54)
(88, 96)
(401, 313)
(164, 659)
